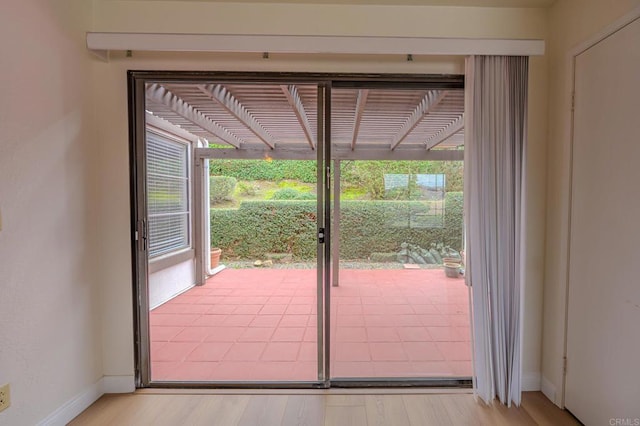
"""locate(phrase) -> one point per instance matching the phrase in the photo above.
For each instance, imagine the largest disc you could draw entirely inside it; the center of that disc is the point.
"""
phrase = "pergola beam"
(303, 152)
(220, 94)
(445, 133)
(431, 99)
(293, 97)
(159, 94)
(360, 106)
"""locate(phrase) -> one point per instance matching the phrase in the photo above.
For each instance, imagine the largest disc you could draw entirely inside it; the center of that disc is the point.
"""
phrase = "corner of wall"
(530, 382)
(83, 400)
(549, 390)
(118, 384)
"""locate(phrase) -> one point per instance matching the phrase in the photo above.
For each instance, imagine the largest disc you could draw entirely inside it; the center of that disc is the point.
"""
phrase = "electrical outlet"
(5, 397)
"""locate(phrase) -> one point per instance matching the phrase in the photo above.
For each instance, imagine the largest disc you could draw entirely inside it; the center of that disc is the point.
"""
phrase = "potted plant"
(452, 261)
(215, 256)
(452, 270)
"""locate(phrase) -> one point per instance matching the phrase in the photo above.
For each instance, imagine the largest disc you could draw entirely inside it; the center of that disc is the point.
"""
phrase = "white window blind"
(167, 195)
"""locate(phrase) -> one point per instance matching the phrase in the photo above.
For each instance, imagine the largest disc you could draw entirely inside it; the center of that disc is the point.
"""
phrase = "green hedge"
(260, 227)
(274, 170)
(368, 175)
(381, 226)
(292, 194)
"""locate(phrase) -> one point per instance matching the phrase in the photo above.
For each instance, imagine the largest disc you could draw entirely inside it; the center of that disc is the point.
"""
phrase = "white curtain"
(495, 138)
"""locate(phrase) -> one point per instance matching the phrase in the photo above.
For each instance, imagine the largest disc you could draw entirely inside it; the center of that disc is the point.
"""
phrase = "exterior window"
(168, 195)
(432, 190)
(428, 193)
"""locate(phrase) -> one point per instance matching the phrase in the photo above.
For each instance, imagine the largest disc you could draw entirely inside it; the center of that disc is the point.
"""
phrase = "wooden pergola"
(280, 120)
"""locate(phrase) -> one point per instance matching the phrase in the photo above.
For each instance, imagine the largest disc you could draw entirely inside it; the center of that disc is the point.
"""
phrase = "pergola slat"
(445, 133)
(291, 92)
(159, 94)
(432, 99)
(360, 106)
(220, 94)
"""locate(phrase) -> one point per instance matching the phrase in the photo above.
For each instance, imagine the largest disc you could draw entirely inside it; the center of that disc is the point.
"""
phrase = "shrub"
(292, 194)
(352, 193)
(221, 188)
(247, 188)
(259, 227)
(453, 218)
(274, 170)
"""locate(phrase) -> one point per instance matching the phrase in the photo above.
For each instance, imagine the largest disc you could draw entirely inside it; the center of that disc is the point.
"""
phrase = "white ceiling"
(477, 3)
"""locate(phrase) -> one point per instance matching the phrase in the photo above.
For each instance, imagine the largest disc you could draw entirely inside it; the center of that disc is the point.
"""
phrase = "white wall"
(571, 23)
(169, 282)
(260, 18)
(204, 17)
(50, 323)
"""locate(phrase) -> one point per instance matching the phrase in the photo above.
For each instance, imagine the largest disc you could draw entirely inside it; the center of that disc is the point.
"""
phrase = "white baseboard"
(530, 382)
(76, 405)
(118, 384)
(548, 389)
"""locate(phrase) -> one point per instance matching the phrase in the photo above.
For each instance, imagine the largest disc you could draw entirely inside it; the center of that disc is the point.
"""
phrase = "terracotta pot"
(215, 257)
(452, 270)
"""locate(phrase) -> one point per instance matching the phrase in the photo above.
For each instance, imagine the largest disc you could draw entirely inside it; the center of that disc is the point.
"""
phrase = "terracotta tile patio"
(260, 325)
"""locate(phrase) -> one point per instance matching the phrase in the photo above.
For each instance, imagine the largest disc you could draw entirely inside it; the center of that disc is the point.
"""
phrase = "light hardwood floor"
(351, 408)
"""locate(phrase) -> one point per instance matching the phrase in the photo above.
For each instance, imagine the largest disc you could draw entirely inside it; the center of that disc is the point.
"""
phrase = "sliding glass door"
(298, 232)
(399, 303)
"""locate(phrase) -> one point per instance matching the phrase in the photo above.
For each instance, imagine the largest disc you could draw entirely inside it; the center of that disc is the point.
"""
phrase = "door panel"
(603, 343)
(258, 315)
(395, 313)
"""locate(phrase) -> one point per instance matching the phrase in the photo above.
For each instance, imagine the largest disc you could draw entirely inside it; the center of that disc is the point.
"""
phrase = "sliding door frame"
(139, 240)
(137, 81)
(324, 268)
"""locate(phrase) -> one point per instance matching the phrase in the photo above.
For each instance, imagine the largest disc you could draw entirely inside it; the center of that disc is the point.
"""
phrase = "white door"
(603, 336)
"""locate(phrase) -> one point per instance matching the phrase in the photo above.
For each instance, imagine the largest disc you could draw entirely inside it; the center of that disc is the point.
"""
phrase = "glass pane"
(399, 303)
(255, 317)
